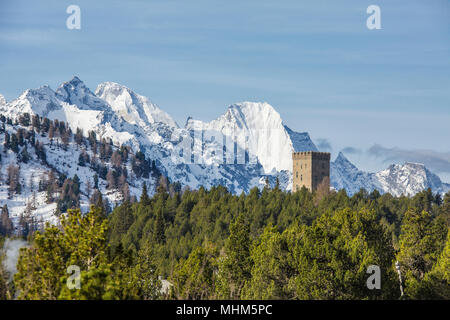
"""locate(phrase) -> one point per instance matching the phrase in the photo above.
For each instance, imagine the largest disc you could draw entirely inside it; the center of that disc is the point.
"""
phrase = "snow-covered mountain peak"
(258, 128)
(132, 107)
(40, 101)
(345, 175)
(75, 82)
(414, 165)
(409, 178)
(2, 100)
(301, 141)
(256, 115)
(343, 162)
(76, 93)
(398, 179)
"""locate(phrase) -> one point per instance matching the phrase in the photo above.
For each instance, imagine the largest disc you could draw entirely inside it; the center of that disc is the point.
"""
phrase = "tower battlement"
(314, 154)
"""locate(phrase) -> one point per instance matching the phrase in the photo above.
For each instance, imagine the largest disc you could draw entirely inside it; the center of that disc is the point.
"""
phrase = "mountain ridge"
(238, 149)
(398, 179)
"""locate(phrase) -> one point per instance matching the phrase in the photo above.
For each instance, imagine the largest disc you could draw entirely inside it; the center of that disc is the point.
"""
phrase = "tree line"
(267, 244)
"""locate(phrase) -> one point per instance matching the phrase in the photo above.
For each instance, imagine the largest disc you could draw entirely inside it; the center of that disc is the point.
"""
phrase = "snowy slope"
(258, 128)
(64, 162)
(408, 179)
(75, 92)
(132, 107)
(345, 175)
(41, 101)
(301, 141)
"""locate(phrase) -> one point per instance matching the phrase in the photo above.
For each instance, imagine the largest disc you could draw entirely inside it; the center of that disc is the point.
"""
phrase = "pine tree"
(6, 225)
(14, 143)
(79, 136)
(13, 175)
(81, 241)
(235, 268)
(331, 257)
(145, 273)
(110, 178)
(163, 185)
(159, 228)
(194, 278)
(7, 142)
(24, 156)
(421, 242)
(436, 283)
(81, 162)
(95, 181)
(144, 200)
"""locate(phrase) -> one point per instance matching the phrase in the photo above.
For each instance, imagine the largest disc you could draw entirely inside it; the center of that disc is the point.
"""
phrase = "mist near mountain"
(11, 249)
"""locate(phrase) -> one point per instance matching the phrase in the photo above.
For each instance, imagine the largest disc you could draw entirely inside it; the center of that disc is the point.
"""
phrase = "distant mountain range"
(240, 149)
(398, 179)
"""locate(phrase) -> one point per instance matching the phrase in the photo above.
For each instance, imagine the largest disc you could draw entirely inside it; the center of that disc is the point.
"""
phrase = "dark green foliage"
(24, 156)
(14, 143)
(24, 119)
(235, 267)
(263, 252)
(70, 195)
(195, 277)
(145, 200)
(40, 151)
(120, 223)
(140, 165)
(95, 181)
(159, 228)
(267, 244)
(6, 225)
(422, 242)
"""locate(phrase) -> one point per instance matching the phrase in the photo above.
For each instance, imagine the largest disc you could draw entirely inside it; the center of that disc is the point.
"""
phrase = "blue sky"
(383, 96)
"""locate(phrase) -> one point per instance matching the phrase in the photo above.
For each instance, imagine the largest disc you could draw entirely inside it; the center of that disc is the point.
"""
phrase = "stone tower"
(310, 168)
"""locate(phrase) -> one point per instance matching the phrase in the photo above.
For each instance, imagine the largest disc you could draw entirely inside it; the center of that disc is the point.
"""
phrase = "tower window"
(296, 174)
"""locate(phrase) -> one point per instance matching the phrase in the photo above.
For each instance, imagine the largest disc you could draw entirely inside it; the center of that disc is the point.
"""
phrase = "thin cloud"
(351, 150)
(324, 145)
(436, 161)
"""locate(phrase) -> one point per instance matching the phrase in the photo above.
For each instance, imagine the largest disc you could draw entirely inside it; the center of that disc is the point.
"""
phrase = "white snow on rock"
(398, 179)
(2, 100)
(408, 179)
(40, 101)
(132, 107)
(267, 139)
